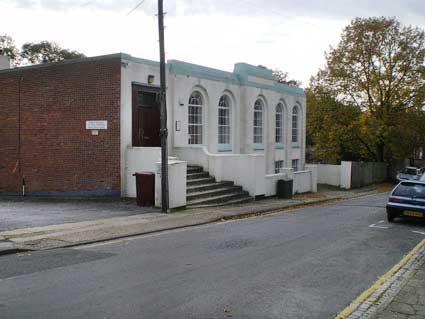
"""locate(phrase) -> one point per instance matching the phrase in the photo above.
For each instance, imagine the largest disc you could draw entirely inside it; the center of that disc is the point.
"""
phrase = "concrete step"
(197, 175)
(227, 203)
(218, 199)
(209, 186)
(194, 169)
(214, 192)
(200, 181)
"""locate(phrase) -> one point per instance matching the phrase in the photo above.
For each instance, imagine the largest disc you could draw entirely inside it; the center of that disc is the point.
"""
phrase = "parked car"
(407, 199)
(409, 173)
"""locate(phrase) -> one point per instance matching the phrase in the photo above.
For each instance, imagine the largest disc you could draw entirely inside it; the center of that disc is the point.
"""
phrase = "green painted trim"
(246, 69)
(279, 146)
(224, 147)
(295, 145)
(238, 77)
(198, 71)
(258, 146)
(277, 87)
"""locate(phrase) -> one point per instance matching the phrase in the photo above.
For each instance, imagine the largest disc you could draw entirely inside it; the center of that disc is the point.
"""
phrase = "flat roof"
(71, 61)
(241, 75)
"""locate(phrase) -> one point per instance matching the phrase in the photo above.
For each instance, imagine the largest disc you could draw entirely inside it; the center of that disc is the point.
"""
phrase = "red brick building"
(44, 143)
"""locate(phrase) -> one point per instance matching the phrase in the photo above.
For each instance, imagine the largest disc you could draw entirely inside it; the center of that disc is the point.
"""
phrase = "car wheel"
(391, 214)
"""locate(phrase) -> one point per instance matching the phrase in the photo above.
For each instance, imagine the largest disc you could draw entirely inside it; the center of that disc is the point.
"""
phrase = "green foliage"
(44, 52)
(377, 70)
(8, 48)
(283, 77)
(35, 53)
(333, 128)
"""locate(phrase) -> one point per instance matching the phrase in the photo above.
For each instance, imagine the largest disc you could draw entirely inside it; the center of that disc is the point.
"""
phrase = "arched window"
(195, 118)
(258, 122)
(295, 124)
(224, 133)
(279, 124)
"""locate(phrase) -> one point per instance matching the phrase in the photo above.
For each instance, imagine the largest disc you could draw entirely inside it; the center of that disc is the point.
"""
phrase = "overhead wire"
(135, 8)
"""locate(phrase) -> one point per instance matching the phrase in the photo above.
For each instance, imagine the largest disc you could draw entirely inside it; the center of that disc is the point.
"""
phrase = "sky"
(292, 36)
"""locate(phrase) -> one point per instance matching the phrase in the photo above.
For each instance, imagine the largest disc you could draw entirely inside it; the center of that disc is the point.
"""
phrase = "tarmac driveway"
(18, 212)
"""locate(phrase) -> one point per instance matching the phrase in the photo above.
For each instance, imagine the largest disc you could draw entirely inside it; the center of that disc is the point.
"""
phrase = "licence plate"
(413, 214)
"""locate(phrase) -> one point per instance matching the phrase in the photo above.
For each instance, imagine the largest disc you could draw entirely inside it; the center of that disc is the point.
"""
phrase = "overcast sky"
(288, 35)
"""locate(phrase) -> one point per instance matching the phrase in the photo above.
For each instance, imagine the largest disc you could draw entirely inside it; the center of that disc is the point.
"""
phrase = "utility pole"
(162, 97)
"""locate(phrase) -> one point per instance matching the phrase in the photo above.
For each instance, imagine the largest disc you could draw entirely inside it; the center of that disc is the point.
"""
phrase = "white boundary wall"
(329, 174)
(336, 175)
(351, 174)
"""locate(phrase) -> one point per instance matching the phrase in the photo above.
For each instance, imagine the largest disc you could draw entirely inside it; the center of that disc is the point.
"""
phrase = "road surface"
(307, 263)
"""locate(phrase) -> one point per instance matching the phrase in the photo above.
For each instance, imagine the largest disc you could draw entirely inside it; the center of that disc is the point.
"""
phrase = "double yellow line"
(367, 293)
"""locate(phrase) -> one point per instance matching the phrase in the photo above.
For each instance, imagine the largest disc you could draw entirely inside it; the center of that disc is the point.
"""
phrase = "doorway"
(146, 116)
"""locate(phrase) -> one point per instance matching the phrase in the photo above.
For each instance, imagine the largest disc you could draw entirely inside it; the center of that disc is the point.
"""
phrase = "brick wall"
(51, 148)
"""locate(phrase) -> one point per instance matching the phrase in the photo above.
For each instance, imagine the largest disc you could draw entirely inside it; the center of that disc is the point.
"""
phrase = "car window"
(410, 171)
(410, 190)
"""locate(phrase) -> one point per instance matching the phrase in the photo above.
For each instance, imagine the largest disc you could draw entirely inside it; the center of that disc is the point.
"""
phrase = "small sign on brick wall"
(96, 125)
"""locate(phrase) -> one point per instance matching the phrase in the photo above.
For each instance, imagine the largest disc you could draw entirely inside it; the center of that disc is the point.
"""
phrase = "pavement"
(409, 302)
(306, 262)
(75, 227)
(24, 212)
(400, 293)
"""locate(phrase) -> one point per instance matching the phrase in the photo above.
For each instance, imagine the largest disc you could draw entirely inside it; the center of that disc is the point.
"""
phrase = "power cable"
(135, 8)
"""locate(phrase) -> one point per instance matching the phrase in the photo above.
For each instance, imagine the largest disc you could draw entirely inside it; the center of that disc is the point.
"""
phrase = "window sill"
(295, 145)
(195, 145)
(224, 147)
(279, 146)
(258, 147)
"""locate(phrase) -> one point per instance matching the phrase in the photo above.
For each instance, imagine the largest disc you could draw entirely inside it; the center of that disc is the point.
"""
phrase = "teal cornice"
(239, 76)
(198, 71)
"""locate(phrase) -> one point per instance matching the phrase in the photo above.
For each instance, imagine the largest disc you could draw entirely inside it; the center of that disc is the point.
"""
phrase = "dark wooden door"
(146, 116)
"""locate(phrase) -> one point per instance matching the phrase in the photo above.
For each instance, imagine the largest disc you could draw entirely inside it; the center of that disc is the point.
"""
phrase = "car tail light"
(395, 200)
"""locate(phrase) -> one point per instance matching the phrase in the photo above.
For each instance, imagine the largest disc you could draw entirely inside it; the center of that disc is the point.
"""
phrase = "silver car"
(408, 173)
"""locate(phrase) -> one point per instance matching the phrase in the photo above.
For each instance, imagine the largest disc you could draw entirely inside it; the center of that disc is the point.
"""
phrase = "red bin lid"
(143, 174)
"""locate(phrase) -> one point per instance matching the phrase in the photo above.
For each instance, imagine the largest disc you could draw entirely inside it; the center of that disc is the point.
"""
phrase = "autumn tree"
(378, 69)
(333, 130)
(44, 52)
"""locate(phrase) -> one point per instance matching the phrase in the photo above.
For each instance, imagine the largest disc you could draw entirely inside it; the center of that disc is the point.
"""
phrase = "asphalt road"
(308, 263)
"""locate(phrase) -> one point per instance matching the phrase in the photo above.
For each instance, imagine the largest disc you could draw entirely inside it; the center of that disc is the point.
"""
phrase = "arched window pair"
(195, 120)
(258, 124)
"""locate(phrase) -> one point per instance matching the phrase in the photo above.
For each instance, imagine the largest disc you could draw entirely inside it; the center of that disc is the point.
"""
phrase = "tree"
(44, 52)
(9, 49)
(378, 68)
(333, 128)
(282, 77)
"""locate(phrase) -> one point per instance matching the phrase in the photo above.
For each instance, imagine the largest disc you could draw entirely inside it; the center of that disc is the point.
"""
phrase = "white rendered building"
(241, 127)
